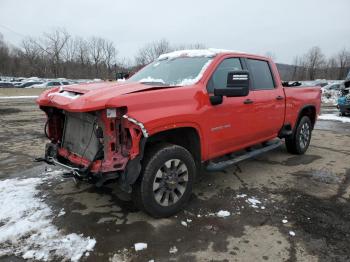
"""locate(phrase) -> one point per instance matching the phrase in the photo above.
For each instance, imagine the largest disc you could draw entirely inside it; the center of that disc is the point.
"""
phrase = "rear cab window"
(261, 74)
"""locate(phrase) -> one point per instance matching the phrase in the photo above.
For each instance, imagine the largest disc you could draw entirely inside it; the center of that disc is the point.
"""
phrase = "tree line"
(315, 65)
(59, 54)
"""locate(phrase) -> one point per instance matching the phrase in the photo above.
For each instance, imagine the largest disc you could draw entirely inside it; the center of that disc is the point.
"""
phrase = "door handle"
(248, 101)
(279, 98)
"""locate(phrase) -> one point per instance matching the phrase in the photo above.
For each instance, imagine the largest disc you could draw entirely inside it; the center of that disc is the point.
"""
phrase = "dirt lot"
(21, 91)
(305, 195)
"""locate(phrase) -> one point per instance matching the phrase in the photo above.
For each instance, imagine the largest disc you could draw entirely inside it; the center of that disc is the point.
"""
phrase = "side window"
(50, 84)
(56, 84)
(219, 77)
(261, 74)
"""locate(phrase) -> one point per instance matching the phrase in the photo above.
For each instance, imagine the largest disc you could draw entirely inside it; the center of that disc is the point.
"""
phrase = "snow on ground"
(27, 229)
(173, 250)
(184, 223)
(330, 97)
(140, 246)
(334, 117)
(253, 202)
(223, 213)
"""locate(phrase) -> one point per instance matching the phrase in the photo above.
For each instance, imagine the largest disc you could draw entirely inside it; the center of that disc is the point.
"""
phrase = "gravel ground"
(281, 207)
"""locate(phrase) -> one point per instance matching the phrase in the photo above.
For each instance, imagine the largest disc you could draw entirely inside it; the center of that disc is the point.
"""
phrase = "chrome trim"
(142, 127)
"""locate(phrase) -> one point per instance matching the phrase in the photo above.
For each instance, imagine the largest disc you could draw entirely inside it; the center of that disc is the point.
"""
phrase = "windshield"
(175, 72)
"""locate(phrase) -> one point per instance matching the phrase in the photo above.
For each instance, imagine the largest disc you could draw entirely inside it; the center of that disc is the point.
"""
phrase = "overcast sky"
(283, 27)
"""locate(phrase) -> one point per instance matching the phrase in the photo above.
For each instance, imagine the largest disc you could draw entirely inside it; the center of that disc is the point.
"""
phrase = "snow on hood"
(210, 52)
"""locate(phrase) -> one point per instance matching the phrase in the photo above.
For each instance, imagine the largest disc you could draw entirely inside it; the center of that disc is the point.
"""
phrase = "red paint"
(188, 106)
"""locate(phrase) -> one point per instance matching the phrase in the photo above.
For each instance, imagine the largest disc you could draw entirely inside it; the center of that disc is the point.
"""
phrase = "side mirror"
(237, 85)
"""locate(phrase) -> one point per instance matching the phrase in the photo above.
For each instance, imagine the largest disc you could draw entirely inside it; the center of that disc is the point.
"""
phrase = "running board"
(219, 166)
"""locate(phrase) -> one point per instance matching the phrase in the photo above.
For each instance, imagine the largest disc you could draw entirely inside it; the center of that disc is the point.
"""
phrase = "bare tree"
(4, 55)
(33, 57)
(53, 44)
(188, 46)
(343, 63)
(152, 51)
(315, 59)
(110, 54)
(96, 45)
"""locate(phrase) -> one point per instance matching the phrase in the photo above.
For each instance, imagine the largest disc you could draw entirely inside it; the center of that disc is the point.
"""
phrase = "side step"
(219, 166)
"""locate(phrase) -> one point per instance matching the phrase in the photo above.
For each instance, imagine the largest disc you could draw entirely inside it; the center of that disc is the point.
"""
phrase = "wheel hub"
(170, 182)
(304, 135)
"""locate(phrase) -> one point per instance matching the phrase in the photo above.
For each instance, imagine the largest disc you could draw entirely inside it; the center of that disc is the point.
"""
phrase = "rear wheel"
(165, 184)
(299, 142)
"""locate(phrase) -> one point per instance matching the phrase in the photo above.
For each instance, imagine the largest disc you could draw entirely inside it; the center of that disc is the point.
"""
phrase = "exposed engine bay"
(96, 146)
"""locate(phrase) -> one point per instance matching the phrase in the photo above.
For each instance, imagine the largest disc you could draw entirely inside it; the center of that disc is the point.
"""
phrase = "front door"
(230, 125)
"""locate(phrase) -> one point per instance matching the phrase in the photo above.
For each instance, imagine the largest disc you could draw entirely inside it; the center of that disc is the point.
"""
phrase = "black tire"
(299, 142)
(156, 162)
(342, 114)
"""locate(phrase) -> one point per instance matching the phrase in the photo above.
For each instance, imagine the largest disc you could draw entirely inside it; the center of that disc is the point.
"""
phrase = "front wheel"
(299, 142)
(165, 184)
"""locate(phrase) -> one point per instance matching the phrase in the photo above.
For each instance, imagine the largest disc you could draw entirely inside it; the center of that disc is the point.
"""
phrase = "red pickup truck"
(187, 110)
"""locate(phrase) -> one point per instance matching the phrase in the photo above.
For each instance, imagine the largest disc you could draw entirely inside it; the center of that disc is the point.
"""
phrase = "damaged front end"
(96, 146)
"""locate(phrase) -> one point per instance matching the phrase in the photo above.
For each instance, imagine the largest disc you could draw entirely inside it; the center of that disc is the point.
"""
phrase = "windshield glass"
(175, 72)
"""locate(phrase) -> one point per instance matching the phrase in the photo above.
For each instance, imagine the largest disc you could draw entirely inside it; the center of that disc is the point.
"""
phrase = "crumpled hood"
(90, 97)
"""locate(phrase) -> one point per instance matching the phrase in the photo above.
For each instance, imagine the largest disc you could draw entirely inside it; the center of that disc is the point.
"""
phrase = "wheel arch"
(306, 110)
(185, 136)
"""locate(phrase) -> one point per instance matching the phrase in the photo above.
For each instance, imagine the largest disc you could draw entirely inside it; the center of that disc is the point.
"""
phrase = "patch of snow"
(140, 246)
(188, 220)
(241, 196)
(253, 202)
(334, 117)
(284, 221)
(191, 81)
(210, 52)
(55, 172)
(173, 250)
(262, 207)
(27, 227)
(184, 223)
(223, 213)
(151, 80)
(330, 96)
(67, 94)
(61, 213)
(292, 233)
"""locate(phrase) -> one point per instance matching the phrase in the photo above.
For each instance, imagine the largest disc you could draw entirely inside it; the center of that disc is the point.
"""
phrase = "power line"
(11, 30)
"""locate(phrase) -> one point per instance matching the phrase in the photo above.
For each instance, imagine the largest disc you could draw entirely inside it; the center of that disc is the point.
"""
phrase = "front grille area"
(79, 135)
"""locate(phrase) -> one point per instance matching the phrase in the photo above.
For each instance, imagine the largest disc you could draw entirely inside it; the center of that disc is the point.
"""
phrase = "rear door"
(268, 99)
